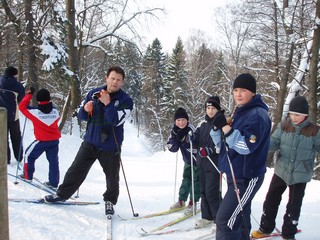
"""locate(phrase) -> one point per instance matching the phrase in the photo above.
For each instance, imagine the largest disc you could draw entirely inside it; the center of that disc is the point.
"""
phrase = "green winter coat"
(297, 145)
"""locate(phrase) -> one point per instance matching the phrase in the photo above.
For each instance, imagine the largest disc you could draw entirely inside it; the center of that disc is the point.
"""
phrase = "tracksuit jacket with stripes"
(248, 145)
(47, 136)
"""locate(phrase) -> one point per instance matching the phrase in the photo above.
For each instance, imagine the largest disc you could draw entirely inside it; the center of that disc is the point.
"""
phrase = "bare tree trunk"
(65, 111)
(278, 110)
(73, 64)
(17, 26)
(283, 81)
(30, 48)
(313, 81)
(313, 70)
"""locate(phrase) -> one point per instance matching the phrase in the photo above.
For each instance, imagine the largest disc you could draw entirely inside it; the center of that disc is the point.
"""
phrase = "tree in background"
(200, 81)
(154, 73)
(89, 27)
(133, 82)
(276, 41)
(175, 86)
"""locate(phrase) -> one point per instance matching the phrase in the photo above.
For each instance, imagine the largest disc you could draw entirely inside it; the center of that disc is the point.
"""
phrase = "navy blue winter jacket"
(105, 126)
(248, 141)
(11, 94)
(174, 145)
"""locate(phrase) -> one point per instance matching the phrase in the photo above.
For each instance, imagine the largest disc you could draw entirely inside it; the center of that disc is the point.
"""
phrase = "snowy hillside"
(151, 184)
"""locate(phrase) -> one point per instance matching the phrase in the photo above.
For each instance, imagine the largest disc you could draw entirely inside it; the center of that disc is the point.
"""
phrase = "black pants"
(271, 206)
(15, 136)
(77, 172)
(210, 194)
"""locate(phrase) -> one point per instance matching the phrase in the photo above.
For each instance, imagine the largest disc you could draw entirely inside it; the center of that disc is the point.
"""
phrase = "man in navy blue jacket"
(11, 94)
(105, 109)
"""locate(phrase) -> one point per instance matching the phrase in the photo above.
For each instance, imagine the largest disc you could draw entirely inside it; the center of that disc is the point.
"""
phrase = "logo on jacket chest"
(252, 138)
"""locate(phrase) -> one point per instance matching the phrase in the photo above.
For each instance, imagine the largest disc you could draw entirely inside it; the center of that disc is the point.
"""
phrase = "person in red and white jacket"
(45, 118)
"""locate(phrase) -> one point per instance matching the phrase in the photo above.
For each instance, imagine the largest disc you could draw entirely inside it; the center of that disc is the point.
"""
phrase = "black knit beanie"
(299, 105)
(11, 71)
(181, 113)
(43, 95)
(213, 101)
(246, 81)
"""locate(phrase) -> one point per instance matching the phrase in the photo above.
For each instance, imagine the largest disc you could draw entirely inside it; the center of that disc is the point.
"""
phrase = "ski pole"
(20, 150)
(236, 189)
(77, 195)
(220, 188)
(175, 179)
(215, 166)
(125, 180)
(192, 177)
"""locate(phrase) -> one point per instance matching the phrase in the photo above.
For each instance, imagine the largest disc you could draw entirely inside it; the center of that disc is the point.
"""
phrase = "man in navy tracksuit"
(248, 139)
(105, 109)
(11, 94)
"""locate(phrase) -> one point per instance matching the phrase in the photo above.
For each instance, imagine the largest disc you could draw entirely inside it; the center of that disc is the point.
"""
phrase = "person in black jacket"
(11, 94)
(209, 174)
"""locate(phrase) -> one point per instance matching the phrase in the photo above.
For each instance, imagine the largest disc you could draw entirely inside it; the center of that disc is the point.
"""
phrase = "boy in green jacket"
(297, 140)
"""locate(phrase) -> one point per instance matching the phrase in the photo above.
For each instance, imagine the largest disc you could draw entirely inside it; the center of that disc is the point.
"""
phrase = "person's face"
(242, 96)
(114, 81)
(211, 111)
(181, 122)
(297, 118)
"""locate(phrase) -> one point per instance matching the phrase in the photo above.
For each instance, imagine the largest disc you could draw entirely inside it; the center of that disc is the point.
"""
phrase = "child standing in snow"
(45, 119)
(209, 174)
(179, 139)
(298, 140)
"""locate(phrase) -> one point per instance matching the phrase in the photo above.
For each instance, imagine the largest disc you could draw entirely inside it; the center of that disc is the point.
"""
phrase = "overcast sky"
(182, 17)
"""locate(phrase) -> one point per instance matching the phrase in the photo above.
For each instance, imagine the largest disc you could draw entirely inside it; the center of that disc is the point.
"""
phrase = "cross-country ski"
(168, 224)
(35, 183)
(42, 201)
(273, 235)
(171, 231)
(157, 214)
(109, 227)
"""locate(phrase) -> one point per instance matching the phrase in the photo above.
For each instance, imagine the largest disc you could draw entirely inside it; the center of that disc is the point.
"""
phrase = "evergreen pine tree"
(154, 71)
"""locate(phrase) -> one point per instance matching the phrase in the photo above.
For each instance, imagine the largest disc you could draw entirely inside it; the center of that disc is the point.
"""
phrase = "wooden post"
(4, 219)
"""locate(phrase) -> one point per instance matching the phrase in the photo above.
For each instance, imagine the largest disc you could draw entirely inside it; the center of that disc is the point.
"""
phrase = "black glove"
(205, 151)
(219, 121)
(31, 90)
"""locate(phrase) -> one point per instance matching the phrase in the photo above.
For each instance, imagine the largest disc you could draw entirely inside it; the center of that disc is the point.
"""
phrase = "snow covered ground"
(151, 180)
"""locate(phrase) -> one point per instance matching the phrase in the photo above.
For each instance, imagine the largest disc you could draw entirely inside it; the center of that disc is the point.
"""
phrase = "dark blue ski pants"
(232, 223)
(33, 152)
